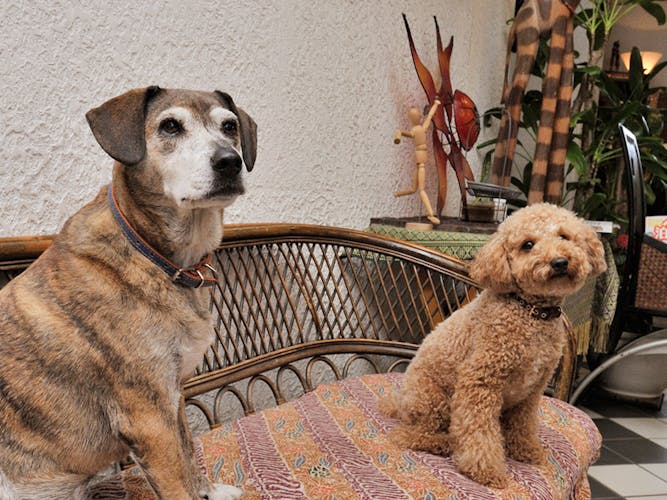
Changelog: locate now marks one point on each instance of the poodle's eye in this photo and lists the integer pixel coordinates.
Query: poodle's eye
(564, 237)
(527, 245)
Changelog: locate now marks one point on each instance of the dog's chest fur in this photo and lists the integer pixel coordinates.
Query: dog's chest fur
(541, 352)
(527, 348)
(133, 332)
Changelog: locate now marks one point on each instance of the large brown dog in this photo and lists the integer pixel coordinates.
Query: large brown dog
(96, 336)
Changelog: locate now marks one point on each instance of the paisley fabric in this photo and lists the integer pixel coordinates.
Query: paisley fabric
(332, 443)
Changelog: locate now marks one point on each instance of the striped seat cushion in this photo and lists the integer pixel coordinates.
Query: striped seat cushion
(332, 443)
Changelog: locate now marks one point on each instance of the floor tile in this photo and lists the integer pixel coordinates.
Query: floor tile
(645, 427)
(599, 491)
(611, 430)
(590, 412)
(610, 457)
(617, 409)
(628, 480)
(659, 470)
(646, 497)
(641, 450)
(661, 442)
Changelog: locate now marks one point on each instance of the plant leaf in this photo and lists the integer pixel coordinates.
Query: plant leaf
(589, 70)
(649, 194)
(656, 69)
(576, 158)
(636, 72)
(653, 9)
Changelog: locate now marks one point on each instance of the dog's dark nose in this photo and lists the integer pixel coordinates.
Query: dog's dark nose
(226, 162)
(559, 265)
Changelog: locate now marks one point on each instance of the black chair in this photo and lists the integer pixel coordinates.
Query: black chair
(643, 288)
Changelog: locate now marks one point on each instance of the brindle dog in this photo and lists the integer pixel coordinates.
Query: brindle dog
(97, 335)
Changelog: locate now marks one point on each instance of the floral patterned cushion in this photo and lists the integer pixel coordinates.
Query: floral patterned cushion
(332, 443)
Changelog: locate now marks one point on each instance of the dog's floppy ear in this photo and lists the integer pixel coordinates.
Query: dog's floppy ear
(248, 130)
(491, 268)
(118, 125)
(594, 249)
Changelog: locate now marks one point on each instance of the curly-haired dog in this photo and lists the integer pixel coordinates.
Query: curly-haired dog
(473, 388)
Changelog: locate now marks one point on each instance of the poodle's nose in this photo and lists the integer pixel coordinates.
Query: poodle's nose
(559, 265)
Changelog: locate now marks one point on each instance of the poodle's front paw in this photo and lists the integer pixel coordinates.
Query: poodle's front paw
(498, 481)
(416, 438)
(221, 492)
(530, 454)
(492, 475)
(390, 405)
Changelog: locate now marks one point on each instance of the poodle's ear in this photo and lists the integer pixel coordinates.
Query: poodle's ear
(594, 249)
(491, 268)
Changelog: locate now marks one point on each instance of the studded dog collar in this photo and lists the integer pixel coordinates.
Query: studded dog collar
(545, 313)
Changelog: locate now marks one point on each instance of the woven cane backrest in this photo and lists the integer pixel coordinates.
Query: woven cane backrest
(292, 290)
(294, 301)
(651, 292)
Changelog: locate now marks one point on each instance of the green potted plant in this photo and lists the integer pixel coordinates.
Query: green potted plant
(598, 193)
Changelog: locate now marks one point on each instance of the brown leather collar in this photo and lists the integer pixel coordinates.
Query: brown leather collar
(193, 277)
(545, 313)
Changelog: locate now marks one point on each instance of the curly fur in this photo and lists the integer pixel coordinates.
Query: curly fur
(473, 388)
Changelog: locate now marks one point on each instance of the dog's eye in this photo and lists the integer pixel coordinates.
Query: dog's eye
(229, 127)
(527, 245)
(564, 237)
(170, 126)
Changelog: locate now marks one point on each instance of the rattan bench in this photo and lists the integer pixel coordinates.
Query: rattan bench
(311, 325)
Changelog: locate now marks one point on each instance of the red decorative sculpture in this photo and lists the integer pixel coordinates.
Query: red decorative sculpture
(456, 106)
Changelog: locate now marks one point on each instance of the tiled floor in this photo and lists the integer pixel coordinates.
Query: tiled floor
(633, 460)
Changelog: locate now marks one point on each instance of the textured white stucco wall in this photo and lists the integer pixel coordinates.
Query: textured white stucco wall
(328, 83)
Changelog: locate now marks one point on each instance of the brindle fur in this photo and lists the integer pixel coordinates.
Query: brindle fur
(95, 339)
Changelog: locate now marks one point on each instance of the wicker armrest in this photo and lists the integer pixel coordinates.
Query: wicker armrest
(16, 254)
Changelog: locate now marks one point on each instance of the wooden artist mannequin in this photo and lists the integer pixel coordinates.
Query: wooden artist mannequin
(418, 135)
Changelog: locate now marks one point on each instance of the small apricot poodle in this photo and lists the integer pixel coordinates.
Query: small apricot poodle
(474, 386)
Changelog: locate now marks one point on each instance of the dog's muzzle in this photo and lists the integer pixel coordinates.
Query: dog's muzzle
(226, 162)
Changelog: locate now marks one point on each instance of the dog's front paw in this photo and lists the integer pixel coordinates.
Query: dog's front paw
(221, 492)
(493, 475)
(534, 455)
